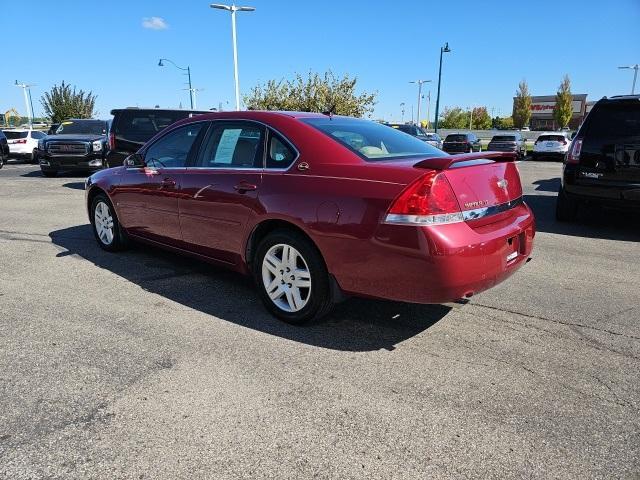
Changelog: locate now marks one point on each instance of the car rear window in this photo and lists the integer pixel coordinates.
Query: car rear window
(504, 138)
(456, 138)
(552, 138)
(615, 119)
(371, 140)
(15, 135)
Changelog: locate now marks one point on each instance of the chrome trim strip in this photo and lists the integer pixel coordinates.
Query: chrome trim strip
(493, 210)
(449, 218)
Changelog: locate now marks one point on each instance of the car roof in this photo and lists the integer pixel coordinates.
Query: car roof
(17, 129)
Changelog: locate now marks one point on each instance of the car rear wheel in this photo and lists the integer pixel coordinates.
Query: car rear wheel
(1, 160)
(566, 207)
(33, 158)
(292, 277)
(106, 227)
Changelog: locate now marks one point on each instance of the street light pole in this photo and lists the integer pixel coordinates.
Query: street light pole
(402, 107)
(635, 75)
(444, 49)
(233, 9)
(26, 90)
(188, 70)
(419, 82)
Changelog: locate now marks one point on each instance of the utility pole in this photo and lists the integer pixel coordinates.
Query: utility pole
(419, 82)
(26, 90)
(635, 75)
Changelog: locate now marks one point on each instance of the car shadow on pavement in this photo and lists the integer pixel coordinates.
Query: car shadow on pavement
(74, 185)
(548, 185)
(38, 173)
(592, 221)
(354, 325)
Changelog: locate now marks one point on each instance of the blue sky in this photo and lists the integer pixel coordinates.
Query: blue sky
(104, 47)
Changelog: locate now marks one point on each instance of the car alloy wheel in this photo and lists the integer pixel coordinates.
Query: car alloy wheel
(103, 223)
(286, 278)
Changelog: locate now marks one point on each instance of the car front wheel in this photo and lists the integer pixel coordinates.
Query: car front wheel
(106, 227)
(292, 278)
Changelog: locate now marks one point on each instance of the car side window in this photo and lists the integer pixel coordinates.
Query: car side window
(233, 145)
(280, 154)
(172, 150)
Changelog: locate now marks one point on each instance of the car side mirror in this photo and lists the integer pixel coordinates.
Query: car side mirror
(134, 160)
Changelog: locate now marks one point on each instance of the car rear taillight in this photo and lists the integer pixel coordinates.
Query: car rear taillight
(112, 141)
(430, 200)
(23, 140)
(574, 155)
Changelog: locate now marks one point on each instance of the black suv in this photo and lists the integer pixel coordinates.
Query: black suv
(133, 127)
(602, 165)
(461, 143)
(79, 144)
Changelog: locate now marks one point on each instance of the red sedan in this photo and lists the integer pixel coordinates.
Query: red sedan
(316, 207)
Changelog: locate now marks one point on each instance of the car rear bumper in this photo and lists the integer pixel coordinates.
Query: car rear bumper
(438, 264)
(20, 149)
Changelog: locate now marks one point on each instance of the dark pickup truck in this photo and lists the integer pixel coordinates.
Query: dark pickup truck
(79, 144)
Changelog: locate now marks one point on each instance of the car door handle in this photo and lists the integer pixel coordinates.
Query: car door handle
(245, 187)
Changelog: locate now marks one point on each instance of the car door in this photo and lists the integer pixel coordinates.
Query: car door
(147, 196)
(220, 191)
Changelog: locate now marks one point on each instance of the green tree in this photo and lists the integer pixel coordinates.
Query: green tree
(314, 93)
(480, 119)
(63, 102)
(502, 123)
(453, 117)
(522, 106)
(564, 103)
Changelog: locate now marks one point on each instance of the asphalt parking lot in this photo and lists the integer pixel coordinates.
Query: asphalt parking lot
(149, 365)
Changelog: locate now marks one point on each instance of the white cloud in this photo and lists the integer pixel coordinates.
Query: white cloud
(154, 23)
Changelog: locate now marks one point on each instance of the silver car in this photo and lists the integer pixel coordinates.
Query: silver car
(512, 142)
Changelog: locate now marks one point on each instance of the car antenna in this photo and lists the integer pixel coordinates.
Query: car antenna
(330, 111)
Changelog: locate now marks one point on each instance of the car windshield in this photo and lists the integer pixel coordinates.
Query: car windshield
(504, 138)
(371, 140)
(551, 138)
(92, 127)
(431, 136)
(15, 135)
(456, 138)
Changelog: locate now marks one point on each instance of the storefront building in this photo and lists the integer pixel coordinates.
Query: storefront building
(542, 112)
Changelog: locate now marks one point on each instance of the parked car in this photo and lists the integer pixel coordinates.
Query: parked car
(132, 127)
(319, 206)
(551, 145)
(79, 144)
(4, 149)
(602, 166)
(418, 132)
(23, 143)
(461, 143)
(433, 139)
(512, 142)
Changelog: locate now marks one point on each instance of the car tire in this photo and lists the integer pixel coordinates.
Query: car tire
(33, 158)
(566, 207)
(1, 160)
(283, 258)
(105, 225)
(49, 173)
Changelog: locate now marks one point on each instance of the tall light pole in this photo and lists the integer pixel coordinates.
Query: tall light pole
(444, 49)
(635, 75)
(428, 108)
(233, 9)
(402, 107)
(188, 70)
(26, 90)
(419, 82)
